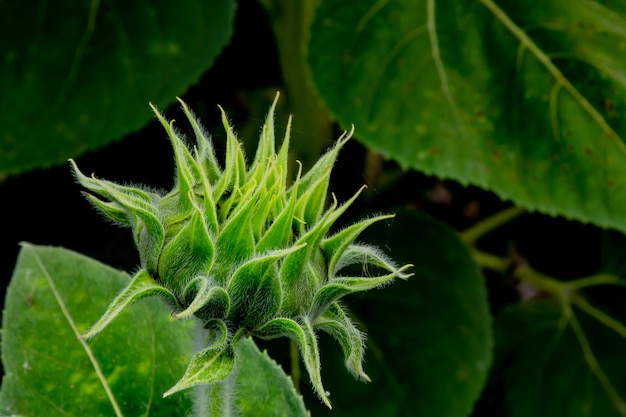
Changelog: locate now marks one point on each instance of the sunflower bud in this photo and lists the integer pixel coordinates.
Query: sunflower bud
(244, 250)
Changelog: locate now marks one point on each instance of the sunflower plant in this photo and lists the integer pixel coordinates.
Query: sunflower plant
(245, 250)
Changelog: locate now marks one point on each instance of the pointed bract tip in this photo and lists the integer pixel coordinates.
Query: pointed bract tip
(402, 275)
(299, 169)
(345, 136)
(327, 402)
(176, 388)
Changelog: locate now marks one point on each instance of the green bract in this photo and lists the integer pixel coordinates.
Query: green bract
(244, 251)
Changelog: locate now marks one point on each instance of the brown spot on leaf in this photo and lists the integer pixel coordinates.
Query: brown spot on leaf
(497, 156)
(588, 151)
(480, 115)
(435, 151)
(570, 148)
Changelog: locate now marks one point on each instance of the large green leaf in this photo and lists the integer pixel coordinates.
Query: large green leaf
(550, 366)
(263, 388)
(54, 296)
(77, 75)
(429, 338)
(522, 98)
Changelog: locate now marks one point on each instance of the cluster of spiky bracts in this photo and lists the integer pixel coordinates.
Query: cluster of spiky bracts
(244, 250)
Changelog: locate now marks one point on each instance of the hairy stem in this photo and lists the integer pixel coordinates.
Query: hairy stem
(217, 399)
(294, 355)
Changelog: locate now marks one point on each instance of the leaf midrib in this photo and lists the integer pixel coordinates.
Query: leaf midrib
(68, 317)
(545, 60)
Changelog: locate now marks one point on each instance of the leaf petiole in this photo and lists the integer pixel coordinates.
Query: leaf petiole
(483, 227)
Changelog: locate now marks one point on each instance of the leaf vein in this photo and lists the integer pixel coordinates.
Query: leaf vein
(441, 71)
(545, 60)
(85, 346)
(594, 365)
(94, 8)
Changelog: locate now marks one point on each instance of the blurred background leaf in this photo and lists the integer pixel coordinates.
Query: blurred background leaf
(78, 75)
(547, 369)
(429, 338)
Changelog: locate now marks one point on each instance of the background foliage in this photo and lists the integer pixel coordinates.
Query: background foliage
(462, 110)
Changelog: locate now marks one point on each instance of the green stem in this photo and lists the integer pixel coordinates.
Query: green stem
(600, 279)
(492, 262)
(483, 227)
(541, 281)
(524, 273)
(217, 399)
(565, 292)
(294, 354)
(290, 22)
(599, 315)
